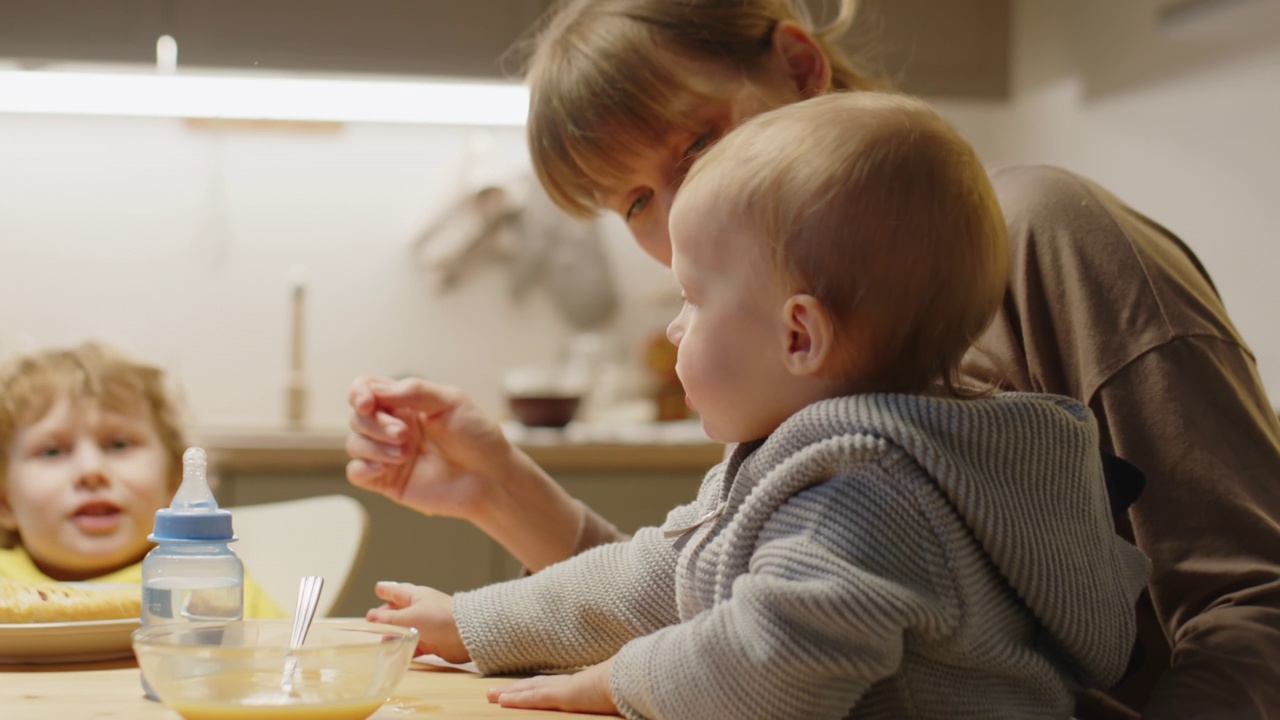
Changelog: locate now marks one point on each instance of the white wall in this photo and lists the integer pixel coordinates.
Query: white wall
(1182, 123)
(175, 243)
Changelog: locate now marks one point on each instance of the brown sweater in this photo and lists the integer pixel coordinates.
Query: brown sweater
(1110, 308)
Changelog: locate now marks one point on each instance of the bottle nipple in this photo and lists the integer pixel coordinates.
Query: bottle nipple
(194, 493)
(193, 514)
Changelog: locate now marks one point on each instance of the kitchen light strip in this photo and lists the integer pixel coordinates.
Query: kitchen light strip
(263, 98)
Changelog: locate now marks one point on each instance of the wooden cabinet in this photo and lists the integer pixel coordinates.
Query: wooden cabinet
(938, 48)
(630, 484)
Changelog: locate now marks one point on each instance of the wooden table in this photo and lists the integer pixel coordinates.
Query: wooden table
(111, 690)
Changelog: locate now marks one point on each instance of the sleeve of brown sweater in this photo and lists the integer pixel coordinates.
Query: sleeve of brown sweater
(1209, 524)
(1110, 308)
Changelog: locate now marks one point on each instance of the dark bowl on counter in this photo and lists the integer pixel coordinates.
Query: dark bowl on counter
(544, 410)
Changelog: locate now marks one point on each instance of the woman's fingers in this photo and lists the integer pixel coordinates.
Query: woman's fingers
(365, 474)
(367, 395)
(375, 448)
(381, 426)
(361, 397)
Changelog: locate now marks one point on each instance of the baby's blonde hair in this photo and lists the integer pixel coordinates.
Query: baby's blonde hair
(874, 205)
(31, 384)
(608, 77)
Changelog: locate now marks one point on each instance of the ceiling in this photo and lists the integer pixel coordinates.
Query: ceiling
(939, 48)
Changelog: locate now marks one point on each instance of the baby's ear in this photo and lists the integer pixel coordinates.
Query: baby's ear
(810, 335)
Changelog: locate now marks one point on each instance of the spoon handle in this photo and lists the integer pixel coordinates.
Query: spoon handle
(308, 597)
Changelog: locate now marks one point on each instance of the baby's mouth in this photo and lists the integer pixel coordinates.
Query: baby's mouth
(97, 517)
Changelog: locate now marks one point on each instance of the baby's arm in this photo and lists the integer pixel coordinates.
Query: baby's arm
(580, 611)
(818, 618)
(574, 613)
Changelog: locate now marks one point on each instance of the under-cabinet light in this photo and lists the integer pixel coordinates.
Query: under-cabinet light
(263, 98)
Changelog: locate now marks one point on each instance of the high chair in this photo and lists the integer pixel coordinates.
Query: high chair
(280, 542)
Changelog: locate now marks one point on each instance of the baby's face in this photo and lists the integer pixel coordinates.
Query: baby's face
(732, 333)
(83, 486)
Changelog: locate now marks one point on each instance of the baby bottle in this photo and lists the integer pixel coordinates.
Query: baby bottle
(192, 574)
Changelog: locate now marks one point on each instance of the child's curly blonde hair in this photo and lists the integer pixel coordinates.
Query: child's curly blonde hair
(31, 384)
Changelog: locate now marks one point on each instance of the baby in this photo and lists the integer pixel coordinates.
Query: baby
(90, 447)
(882, 542)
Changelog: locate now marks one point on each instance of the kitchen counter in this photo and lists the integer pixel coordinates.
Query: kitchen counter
(632, 474)
(581, 447)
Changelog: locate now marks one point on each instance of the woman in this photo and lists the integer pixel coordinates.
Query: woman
(1104, 305)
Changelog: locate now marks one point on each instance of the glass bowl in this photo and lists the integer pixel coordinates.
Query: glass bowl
(346, 669)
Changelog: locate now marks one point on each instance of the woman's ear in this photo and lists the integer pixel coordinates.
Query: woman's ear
(810, 335)
(799, 55)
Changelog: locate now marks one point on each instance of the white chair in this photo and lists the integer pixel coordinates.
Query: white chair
(282, 541)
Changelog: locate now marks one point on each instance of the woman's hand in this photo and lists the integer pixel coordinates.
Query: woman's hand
(424, 446)
(583, 692)
(429, 447)
(428, 610)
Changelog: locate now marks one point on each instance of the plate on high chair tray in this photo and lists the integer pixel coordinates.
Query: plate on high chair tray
(68, 642)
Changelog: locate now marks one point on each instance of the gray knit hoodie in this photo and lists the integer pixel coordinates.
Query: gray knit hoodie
(878, 556)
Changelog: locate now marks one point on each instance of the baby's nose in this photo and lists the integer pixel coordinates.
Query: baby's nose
(675, 331)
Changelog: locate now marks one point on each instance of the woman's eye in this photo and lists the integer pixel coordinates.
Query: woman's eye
(638, 204)
(702, 143)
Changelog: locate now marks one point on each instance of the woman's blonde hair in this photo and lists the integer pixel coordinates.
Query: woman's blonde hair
(874, 205)
(608, 78)
(30, 385)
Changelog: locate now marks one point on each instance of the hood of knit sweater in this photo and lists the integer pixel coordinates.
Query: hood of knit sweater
(1024, 472)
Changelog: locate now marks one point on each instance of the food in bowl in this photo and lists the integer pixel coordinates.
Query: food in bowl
(235, 670)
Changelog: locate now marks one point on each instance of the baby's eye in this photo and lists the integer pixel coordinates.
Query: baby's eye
(639, 204)
(51, 451)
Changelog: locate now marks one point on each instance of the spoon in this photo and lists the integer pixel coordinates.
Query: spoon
(308, 597)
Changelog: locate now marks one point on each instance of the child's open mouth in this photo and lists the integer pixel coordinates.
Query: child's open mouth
(97, 517)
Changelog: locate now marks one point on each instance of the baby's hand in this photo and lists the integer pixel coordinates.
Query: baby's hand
(582, 692)
(428, 610)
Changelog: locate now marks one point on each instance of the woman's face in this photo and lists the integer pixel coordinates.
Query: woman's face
(644, 198)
